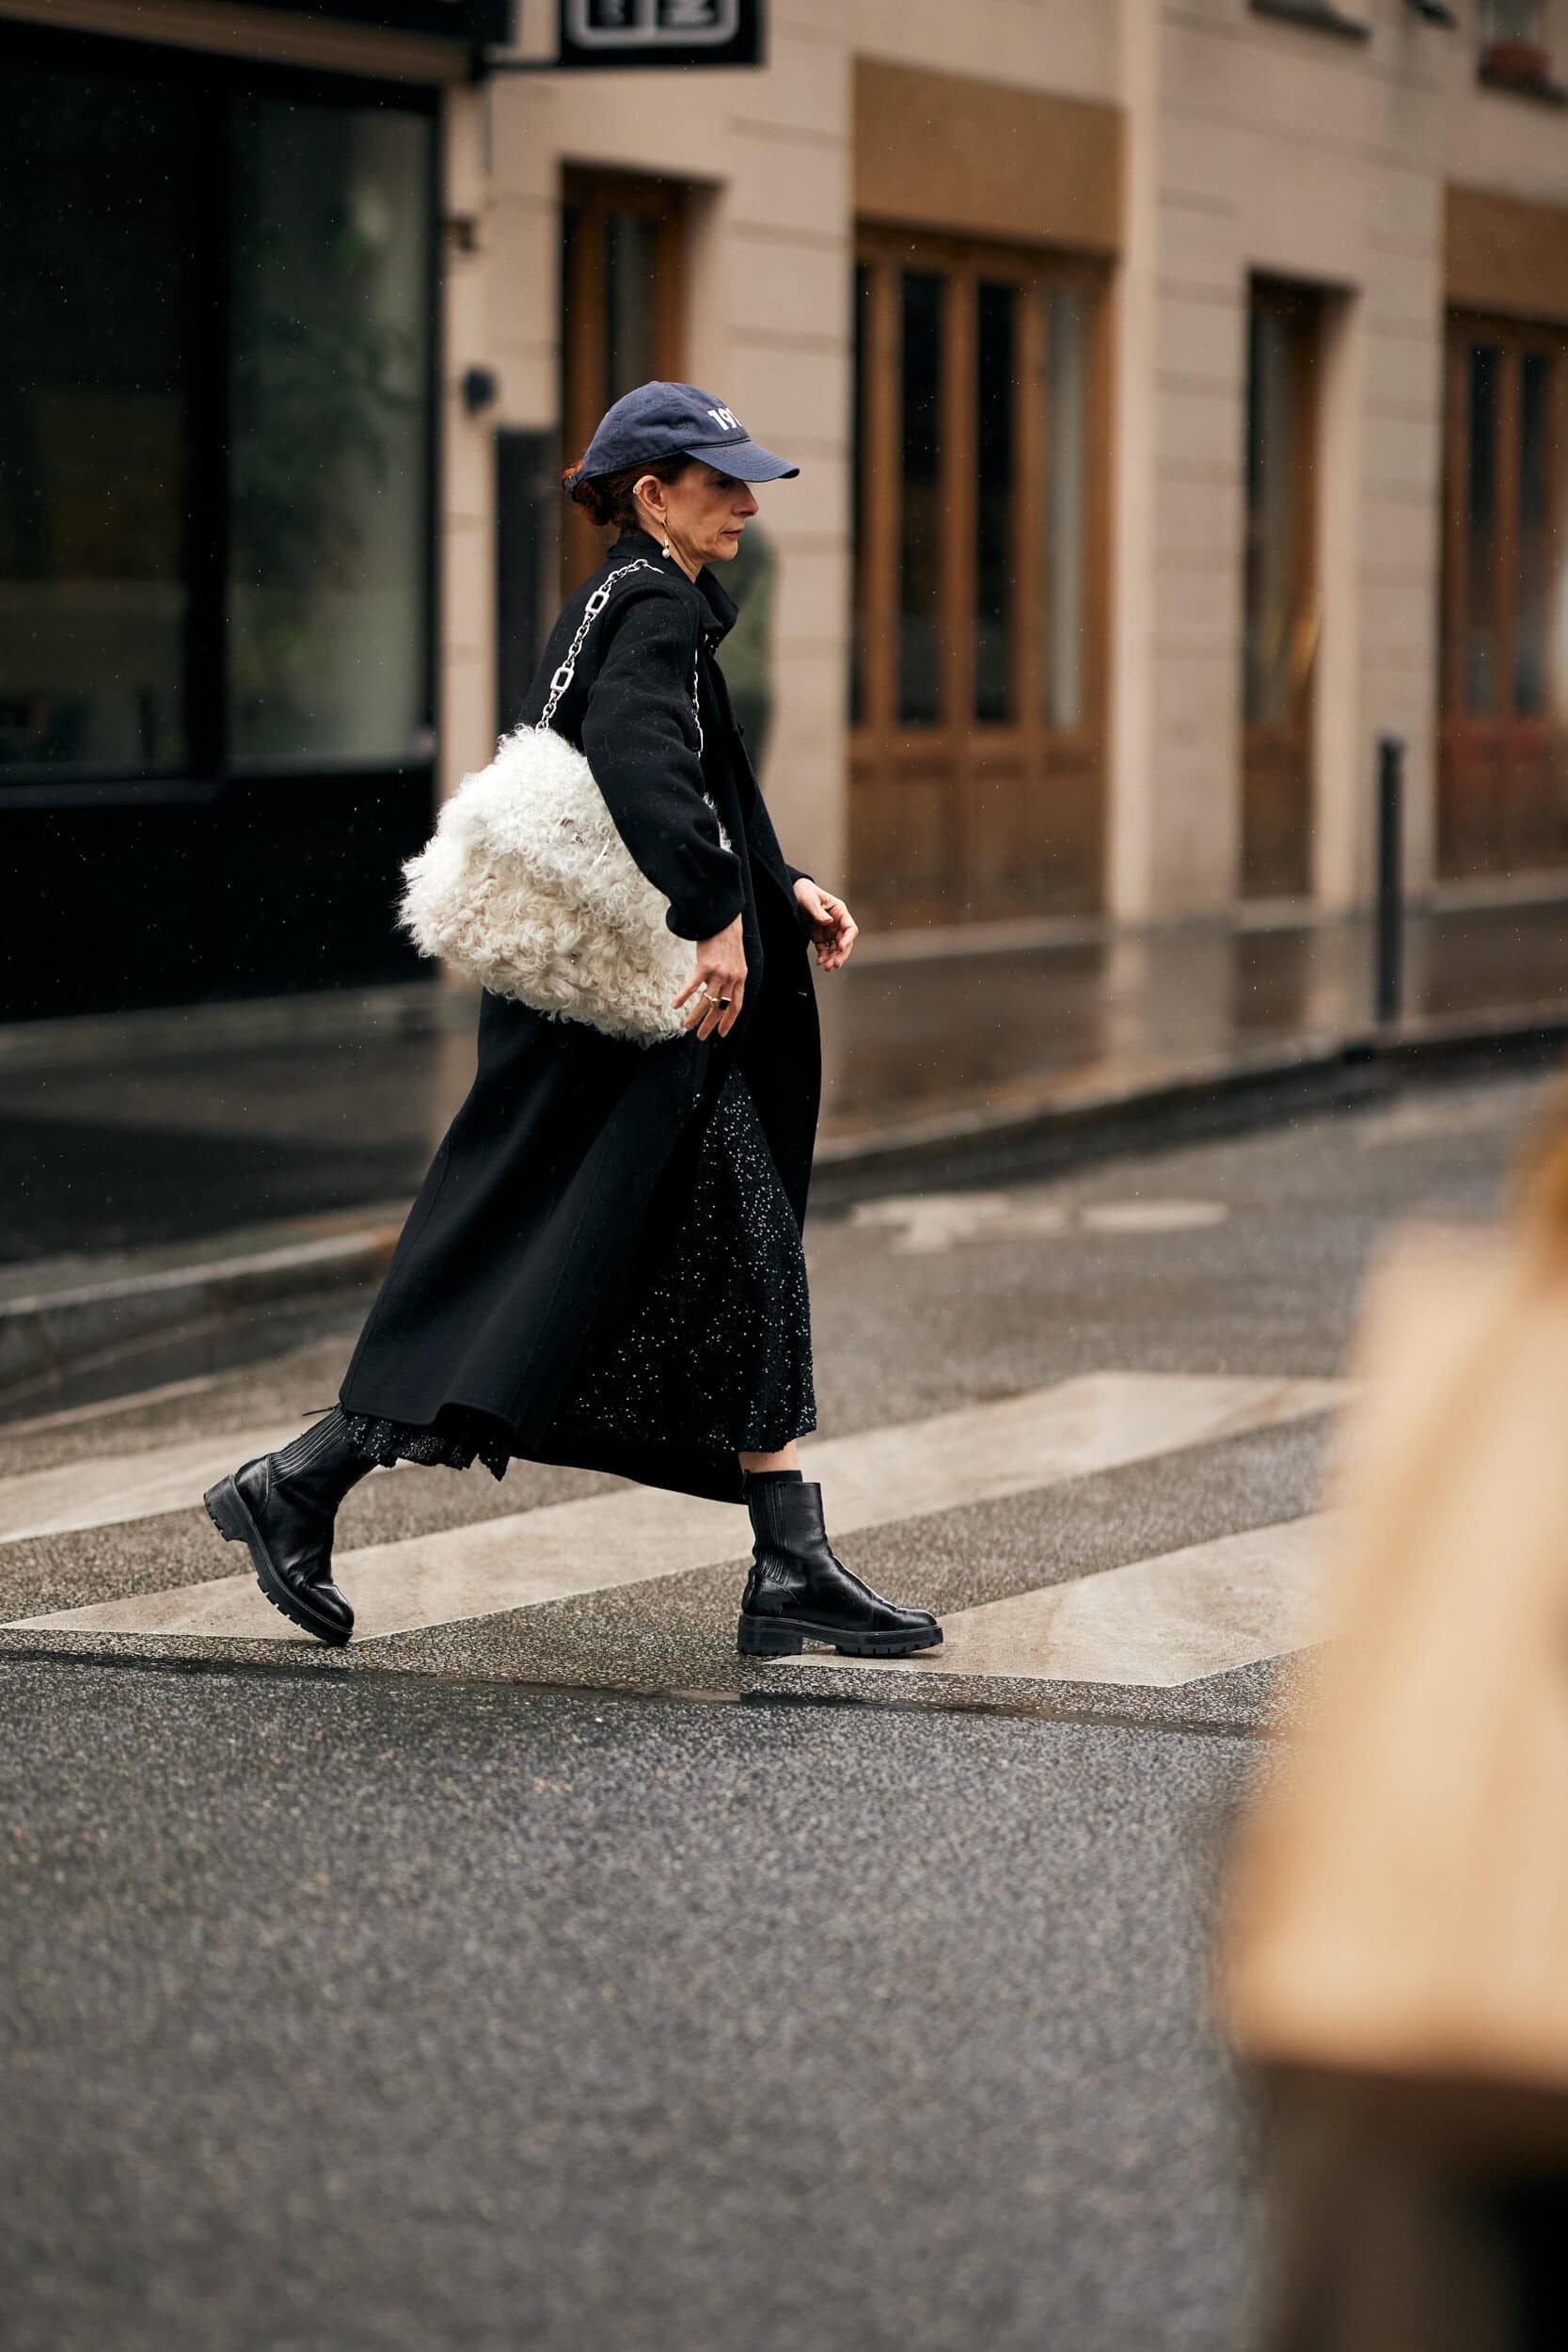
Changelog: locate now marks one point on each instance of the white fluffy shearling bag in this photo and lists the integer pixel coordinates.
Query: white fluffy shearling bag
(527, 887)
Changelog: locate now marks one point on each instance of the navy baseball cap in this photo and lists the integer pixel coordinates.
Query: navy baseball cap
(659, 421)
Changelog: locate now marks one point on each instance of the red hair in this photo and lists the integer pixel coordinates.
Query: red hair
(607, 496)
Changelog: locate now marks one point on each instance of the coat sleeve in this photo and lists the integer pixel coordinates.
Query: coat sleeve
(639, 738)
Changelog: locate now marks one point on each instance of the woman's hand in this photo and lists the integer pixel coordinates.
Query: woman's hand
(722, 971)
(834, 928)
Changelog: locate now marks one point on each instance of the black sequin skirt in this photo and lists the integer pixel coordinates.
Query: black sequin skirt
(715, 1348)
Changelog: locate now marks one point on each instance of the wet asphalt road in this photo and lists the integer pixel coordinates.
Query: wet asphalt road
(394, 2016)
(433, 2007)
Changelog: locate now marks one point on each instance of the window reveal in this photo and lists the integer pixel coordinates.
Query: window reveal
(1503, 735)
(976, 666)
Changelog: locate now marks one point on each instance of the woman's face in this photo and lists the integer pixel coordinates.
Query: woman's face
(705, 510)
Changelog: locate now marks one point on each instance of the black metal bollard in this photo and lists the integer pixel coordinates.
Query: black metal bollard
(1391, 879)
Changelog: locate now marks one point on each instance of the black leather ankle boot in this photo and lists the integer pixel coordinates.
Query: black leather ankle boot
(281, 1506)
(799, 1592)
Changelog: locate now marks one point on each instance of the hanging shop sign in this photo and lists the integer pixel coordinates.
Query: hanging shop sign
(622, 33)
(471, 21)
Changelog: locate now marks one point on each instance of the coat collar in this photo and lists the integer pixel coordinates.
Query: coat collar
(719, 612)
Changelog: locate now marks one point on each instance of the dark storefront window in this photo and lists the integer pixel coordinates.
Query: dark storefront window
(95, 422)
(330, 368)
(216, 518)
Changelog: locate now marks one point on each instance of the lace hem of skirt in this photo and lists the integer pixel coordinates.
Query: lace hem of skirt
(462, 1440)
(456, 1440)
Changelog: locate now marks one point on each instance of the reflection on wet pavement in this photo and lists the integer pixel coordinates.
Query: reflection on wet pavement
(907, 1039)
(173, 1130)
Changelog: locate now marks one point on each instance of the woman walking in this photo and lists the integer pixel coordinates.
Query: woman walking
(603, 1265)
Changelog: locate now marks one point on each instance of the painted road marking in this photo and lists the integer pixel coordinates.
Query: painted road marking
(120, 1487)
(1152, 1216)
(975, 1454)
(1153, 1624)
(925, 1223)
(1468, 1111)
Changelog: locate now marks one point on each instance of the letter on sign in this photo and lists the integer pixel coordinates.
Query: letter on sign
(674, 24)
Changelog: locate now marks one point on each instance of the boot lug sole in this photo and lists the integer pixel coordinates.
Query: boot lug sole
(227, 1509)
(774, 1637)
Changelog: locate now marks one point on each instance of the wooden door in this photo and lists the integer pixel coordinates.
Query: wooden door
(1280, 592)
(976, 691)
(621, 277)
(1504, 730)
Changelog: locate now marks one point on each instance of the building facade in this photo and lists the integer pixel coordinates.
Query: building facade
(1180, 389)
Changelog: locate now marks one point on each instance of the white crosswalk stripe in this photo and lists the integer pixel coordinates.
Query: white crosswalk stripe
(923, 1223)
(977, 1454)
(122, 1487)
(1151, 1625)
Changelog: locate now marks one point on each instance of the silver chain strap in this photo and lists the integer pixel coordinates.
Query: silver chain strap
(567, 671)
(590, 612)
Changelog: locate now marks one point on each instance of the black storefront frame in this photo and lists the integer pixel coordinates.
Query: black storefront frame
(208, 772)
(210, 846)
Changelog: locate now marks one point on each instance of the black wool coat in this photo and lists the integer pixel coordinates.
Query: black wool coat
(563, 1175)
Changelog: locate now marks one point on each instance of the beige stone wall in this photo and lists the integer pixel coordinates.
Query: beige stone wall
(768, 306)
(1250, 145)
(766, 323)
(1260, 144)
(1264, 146)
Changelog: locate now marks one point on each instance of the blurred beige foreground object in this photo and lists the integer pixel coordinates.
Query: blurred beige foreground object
(1397, 1947)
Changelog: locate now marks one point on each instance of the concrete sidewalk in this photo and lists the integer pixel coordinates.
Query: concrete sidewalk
(164, 1169)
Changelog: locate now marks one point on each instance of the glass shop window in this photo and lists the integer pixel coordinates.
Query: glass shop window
(215, 424)
(1506, 572)
(975, 681)
(98, 402)
(1503, 749)
(972, 464)
(329, 359)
